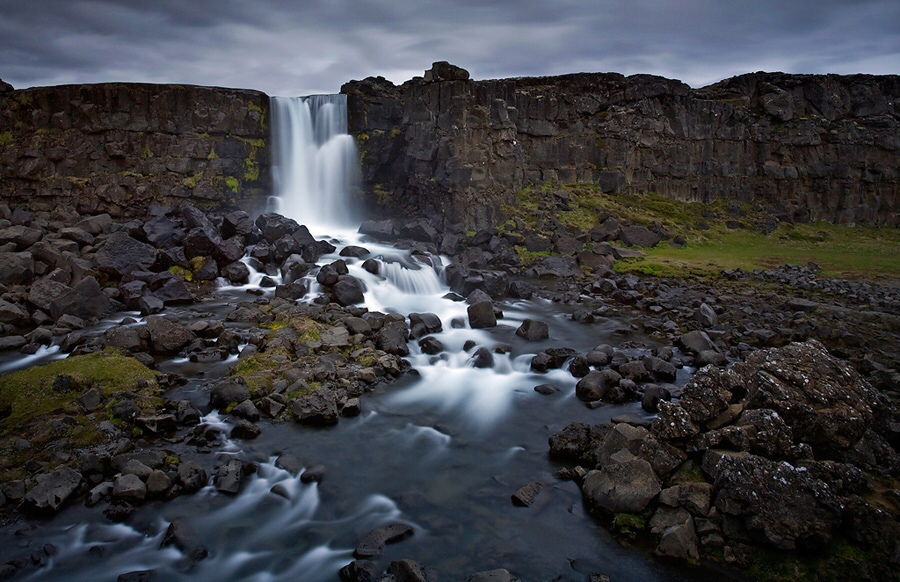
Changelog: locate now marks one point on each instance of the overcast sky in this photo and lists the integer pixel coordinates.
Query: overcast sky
(313, 46)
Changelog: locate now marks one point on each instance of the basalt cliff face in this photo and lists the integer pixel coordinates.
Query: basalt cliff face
(811, 147)
(119, 147)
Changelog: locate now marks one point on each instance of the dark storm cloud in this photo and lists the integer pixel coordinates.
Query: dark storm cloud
(314, 46)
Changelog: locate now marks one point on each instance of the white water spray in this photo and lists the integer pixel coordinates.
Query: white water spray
(315, 160)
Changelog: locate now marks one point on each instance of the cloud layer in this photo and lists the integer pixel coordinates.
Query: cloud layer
(313, 46)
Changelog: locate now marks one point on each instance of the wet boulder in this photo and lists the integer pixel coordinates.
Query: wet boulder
(422, 324)
(482, 358)
(274, 226)
(229, 477)
(570, 442)
(229, 391)
(236, 272)
(481, 315)
(392, 338)
(348, 291)
(533, 330)
(316, 408)
(431, 345)
(166, 336)
(374, 542)
(53, 490)
(192, 476)
(597, 385)
(378, 229)
(621, 487)
(354, 251)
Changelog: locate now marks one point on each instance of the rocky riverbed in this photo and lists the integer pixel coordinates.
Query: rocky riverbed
(190, 335)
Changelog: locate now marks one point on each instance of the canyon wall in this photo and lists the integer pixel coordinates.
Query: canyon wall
(119, 147)
(811, 147)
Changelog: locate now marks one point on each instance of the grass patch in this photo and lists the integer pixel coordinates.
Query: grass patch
(689, 472)
(28, 394)
(841, 251)
(6, 138)
(831, 564)
(528, 257)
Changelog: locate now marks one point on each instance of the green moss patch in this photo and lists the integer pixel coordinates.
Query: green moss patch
(28, 394)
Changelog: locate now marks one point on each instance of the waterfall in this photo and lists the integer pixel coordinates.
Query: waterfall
(315, 164)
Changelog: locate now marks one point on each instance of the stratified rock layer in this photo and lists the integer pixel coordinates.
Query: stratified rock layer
(117, 147)
(815, 147)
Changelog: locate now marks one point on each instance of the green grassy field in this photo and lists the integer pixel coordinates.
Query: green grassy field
(845, 251)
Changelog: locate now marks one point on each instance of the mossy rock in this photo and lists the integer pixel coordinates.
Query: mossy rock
(29, 394)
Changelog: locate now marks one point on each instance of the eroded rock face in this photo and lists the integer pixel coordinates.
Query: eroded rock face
(482, 142)
(120, 147)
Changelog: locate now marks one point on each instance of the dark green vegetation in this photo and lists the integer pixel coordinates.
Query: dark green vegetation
(29, 394)
(719, 236)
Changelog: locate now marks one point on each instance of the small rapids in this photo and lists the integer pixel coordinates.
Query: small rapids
(441, 449)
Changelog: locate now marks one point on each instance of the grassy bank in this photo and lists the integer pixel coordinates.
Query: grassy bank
(722, 235)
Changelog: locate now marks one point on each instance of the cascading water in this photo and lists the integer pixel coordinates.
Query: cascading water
(315, 161)
(441, 451)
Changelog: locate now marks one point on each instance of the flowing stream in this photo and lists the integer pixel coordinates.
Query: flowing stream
(442, 449)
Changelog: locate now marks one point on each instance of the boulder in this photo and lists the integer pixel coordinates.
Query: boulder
(53, 490)
(392, 338)
(130, 488)
(526, 494)
(374, 542)
(120, 254)
(229, 477)
(696, 342)
(85, 300)
(274, 226)
(533, 330)
(192, 476)
(317, 408)
(228, 391)
(597, 384)
(481, 315)
(44, 292)
(625, 487)
(639, 236)
(422, 324)
(348, 291)
(14, 315)
(166, 336)
(16, 268)
(779, 505)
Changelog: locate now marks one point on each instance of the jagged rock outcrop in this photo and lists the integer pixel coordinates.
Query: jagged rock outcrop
(814, 147)
(117, 147)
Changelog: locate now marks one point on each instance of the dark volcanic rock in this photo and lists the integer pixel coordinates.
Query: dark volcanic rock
(166, 336)
(621, 487)
(53, 490)
(533, 330)
(481, 315)
(374, 542)
(317, 408)
(84, 300)
(120, 254)
(779, 505)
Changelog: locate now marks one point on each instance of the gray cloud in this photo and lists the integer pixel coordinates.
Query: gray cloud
(314, 46)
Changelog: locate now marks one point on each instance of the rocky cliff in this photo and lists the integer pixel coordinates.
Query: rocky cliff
(812, 147)
(118, 147)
